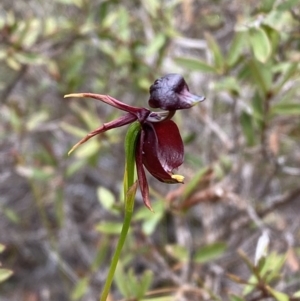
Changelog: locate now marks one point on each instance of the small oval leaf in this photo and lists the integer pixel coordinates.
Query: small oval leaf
(5, 274)
(260, 44)
(194, 64)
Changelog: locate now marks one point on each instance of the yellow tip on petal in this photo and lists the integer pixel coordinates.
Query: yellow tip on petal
(178, 178)
(73, 148)
(150, 208)
(70, 151)
(74, 95)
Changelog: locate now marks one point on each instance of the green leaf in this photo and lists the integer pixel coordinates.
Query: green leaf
(86, 115)
(194, 65)
(178, 252)
(228, 84)
(285, 108)
(210, 252)
(278, 295)
(144, 284)
(123, 24)
(109, 227)
(260, 44)
(42, 174)
(88, 150)
(296, 294)
(80, 289)
(30, 58)
(156, 44)
(150, 220)
(122, 282)
(290, 94)
(29, 33)
(247, 126)
(2, 248)
(235, 298)
(287, 70)
(143, 213)
(274, 37)
(3, 53)
(273, 265)
(149, 225)
(216, 51)
(218, 171)
(267, 5)
(287, 5)
(194, 182)
(36, 120)
(132, 283)
(102, 253)
(71, 129)
(13, 63)
(50, 25)
(74, 167)
(249, 288)
(258, 107)
(5, 274)
(105, 197)
(236, 48)
(261, 75)
(152, 7)
(11, 215)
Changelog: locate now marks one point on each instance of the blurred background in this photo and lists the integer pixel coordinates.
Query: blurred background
(60, 216)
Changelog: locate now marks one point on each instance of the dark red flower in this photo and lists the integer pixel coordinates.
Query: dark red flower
(159, 147)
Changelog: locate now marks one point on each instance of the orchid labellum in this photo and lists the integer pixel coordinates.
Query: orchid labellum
(159, 147)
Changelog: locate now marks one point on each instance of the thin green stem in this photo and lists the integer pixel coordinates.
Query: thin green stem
(130, 186)
(115, 259)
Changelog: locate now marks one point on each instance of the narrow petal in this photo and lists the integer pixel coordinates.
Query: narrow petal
(163, 150)
(141, 172)
(123, 120)
(113, 102)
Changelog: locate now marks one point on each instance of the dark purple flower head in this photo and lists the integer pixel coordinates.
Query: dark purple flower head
(159, 147)
(171, 92)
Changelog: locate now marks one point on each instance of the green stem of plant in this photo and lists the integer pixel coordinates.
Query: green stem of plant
(129, 194)
(115, 259)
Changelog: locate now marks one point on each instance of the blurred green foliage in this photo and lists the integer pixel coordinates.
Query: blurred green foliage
(4, 273)
(61, 215)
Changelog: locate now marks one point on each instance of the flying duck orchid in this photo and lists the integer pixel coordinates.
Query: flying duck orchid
(159, 147)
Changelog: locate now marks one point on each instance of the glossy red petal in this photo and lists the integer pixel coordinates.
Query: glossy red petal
(163, 149)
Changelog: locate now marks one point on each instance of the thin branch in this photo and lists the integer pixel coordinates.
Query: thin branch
(10, 87)
(276, 204)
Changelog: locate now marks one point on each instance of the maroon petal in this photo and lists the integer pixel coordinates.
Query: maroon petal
(141, 113)
(163, 150)
(123, 120)
(171, 92)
